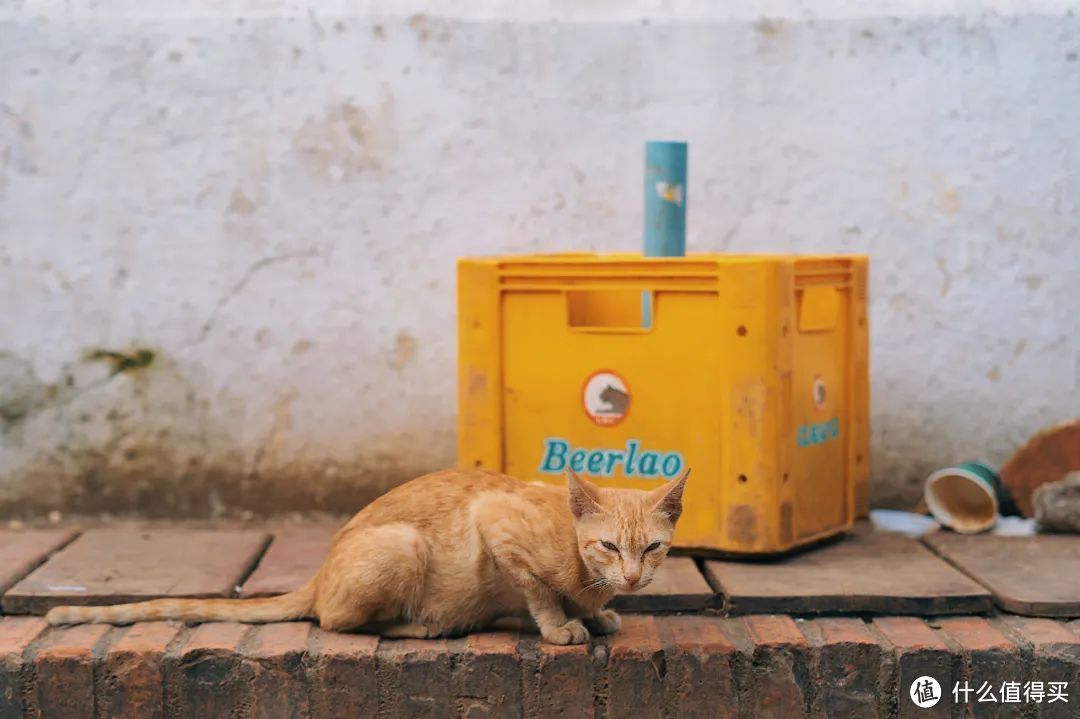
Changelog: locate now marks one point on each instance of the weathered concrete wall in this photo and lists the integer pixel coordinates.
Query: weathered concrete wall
(270, 199)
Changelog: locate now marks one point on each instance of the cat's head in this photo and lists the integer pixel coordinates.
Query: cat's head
(624, 534)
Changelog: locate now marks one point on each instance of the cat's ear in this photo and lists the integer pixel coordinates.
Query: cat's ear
(667, 499)
(584, 496)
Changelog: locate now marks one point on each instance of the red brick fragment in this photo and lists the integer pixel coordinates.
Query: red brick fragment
(563, 681)
(846, 667)
(991, 658)
(275, 656)
(1041, 633)
(635, 668)
(414, 678)
(776, 686)
(487, 676)
(16, 635)
(64, 671)
(976, 634)
(208, 677)
(1056, 654)
(909, 633)
(133, 674)
(342, 675)
(773, 630)
(700, 671)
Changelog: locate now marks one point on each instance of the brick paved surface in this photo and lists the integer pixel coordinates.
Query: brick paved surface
(677, 666)
(666, 665)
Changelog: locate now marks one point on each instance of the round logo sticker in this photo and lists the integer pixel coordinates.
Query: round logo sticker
(606, 398)
(925, 692)
(819, 392)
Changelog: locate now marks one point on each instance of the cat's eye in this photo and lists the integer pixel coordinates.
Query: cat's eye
(610, 547)
(652, 547)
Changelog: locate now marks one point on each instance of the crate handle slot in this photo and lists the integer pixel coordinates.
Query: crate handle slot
(607, 310)
(818, 308)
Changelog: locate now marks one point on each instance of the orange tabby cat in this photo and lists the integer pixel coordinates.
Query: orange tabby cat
(456, 550)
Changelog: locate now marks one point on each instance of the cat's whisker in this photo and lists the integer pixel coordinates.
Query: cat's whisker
(597, 583)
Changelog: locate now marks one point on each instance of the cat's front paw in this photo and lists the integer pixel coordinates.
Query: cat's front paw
(605, 621)
(573, 632)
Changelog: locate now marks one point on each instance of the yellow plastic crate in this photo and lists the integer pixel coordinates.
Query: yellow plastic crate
(753, 372)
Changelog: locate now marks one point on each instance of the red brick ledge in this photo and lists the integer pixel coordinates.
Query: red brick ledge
(671, 666)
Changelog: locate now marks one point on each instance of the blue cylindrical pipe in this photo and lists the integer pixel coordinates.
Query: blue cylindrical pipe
(665, 199)
(665, 206)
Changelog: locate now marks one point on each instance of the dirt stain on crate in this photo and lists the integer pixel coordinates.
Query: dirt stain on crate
(742, 524)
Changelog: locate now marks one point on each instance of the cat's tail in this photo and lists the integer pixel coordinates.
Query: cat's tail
(284, 607)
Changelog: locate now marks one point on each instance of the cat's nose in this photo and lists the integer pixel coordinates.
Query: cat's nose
(631, 579)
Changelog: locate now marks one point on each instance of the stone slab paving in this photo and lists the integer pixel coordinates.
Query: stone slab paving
(22, 551)
(1037, 576)
(292, 558)
(678, 585)
(867, 572)
(109, 566)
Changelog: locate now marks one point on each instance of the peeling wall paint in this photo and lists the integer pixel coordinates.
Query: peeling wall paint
(271, 198)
